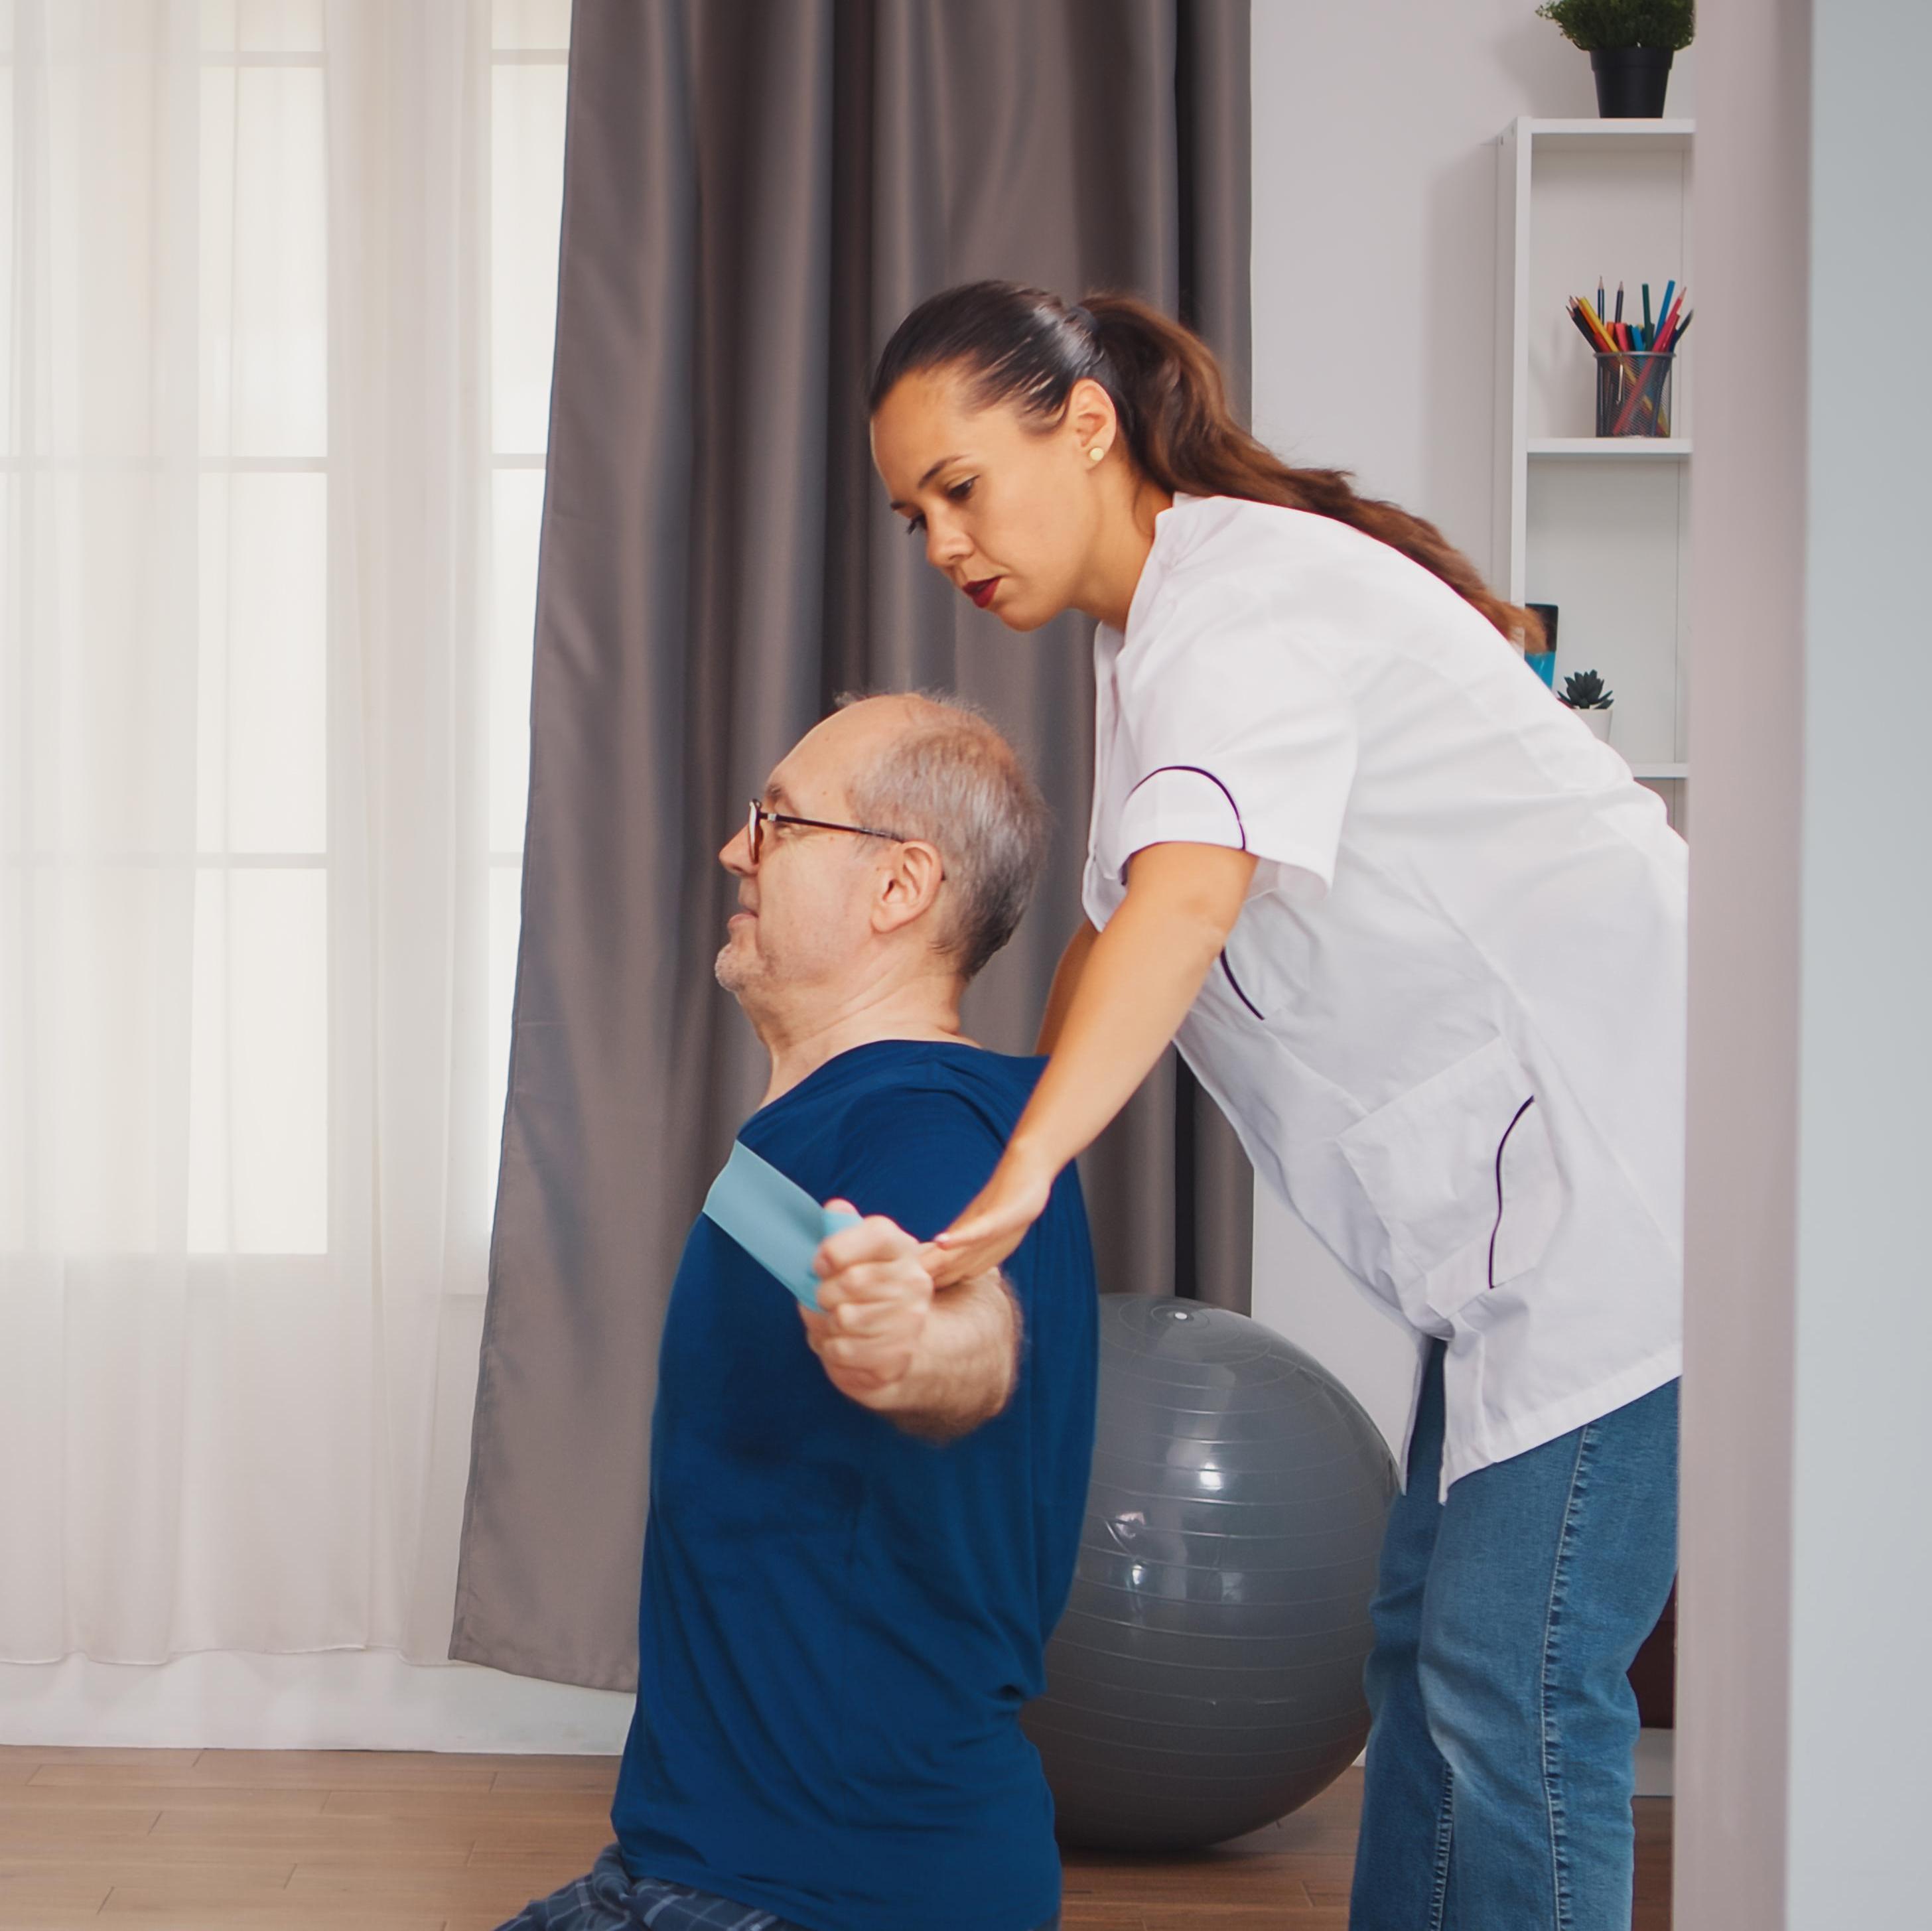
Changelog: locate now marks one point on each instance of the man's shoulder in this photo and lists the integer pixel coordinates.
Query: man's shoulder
(911, 1129)
(900, 1079)
(932, 1098)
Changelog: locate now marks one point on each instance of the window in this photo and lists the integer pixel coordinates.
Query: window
(254, 320)
(531, 42)
(258, 1132)
(276, 290)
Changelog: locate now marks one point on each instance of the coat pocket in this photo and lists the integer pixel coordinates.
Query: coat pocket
(1462, 1173)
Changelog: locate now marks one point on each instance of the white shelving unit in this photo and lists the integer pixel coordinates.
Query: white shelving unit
(1600, 526)
(1643, 448)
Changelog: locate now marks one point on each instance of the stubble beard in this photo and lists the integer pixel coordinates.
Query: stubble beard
(738, 969)
(728, 970)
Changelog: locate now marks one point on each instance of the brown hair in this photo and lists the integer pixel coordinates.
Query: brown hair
(1024, 346)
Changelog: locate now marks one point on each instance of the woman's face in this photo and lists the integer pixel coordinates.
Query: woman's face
(1005, 505)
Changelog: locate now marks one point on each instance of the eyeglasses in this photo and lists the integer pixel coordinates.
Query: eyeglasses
(755, 824)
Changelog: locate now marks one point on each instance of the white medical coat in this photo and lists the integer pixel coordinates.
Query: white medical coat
(1449, 1023)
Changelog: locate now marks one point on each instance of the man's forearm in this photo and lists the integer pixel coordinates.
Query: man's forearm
(967, 1363)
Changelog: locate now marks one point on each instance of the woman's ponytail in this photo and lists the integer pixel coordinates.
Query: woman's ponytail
(1023, 346)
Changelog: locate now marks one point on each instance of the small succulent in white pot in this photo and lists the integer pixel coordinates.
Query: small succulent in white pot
(1583, 691)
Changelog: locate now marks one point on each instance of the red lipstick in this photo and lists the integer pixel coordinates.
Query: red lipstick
(982, 592)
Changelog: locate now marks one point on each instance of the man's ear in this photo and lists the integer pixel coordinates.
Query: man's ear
(909, 886)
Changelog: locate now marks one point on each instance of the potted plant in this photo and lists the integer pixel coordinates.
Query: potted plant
(1583, 691)
(1630, 44)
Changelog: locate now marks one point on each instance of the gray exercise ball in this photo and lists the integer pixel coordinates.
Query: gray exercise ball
(1207, 1676)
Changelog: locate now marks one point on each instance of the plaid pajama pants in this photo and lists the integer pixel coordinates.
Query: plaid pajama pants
(610, 1900)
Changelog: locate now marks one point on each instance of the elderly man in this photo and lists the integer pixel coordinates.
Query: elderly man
(864, 1516)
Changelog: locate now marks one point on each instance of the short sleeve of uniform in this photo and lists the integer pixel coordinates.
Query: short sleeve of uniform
(1244, 732)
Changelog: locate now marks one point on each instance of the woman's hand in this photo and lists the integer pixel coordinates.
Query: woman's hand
(995, 1222)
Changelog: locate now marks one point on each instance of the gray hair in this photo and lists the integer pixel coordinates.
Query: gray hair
(953, 780)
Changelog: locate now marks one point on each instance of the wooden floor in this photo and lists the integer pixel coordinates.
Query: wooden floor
(229, 1840)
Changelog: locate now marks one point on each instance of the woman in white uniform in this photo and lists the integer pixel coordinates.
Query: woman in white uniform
(1422, 936)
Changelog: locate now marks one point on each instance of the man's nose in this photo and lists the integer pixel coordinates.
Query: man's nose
(735, 857)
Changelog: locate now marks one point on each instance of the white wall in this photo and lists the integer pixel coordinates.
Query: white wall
(1807, 1562)
(1862, 1556)
(1748, 502)
(1375, 266)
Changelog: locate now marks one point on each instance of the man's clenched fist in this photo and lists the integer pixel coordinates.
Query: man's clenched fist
(874, 1300)
(938, 1361)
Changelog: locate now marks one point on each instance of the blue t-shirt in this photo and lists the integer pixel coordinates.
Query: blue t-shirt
(840, 1621)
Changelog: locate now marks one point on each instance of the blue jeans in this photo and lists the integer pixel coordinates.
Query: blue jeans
(1499, 1777)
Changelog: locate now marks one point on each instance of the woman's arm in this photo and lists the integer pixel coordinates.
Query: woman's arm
(1133, 986)
(1066, 983)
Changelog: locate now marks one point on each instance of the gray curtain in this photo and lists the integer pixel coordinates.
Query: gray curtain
(756, 191)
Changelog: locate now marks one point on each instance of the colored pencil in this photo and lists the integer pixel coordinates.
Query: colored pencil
(1649, 333)
(1641, 396)
(1609, 337)
(1595, 327)
(1649, 390)
(1649, 394)
(1669, 322)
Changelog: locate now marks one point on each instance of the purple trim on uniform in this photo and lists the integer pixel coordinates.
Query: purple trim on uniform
(1237, 984)
(1495, 1231)
(1201, 771)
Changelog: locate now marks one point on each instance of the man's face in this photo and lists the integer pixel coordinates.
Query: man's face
(805, 914)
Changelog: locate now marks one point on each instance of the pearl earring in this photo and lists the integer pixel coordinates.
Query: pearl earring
(1094, 454)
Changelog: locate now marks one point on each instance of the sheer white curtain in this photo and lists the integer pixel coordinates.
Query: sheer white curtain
(275, 314)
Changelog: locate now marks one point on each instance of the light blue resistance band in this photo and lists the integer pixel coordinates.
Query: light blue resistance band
(773, 1219)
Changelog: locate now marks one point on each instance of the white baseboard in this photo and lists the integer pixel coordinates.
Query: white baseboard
(329, 1699)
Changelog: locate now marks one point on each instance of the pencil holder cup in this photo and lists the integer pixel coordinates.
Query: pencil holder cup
(1634, 393)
